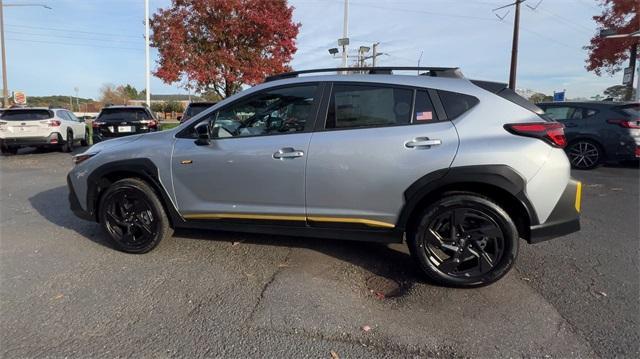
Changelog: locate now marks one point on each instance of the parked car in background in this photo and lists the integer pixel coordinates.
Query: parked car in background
(193, 109)
(598, 132)
(118, 121)
(461, 169)
(41, 127)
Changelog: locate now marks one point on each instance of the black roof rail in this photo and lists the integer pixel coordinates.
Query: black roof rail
(453, 72)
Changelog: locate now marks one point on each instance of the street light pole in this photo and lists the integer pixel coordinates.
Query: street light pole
(345, 35)
(146, 53)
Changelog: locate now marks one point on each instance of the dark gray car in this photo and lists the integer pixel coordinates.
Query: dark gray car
(598, 132)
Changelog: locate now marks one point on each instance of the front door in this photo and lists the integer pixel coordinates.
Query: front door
(254, 165)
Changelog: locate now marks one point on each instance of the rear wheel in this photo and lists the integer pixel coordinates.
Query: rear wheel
(133, 217)
(68, 144)
(584, 154)
(9, 150)
(464, 240)
(85, 140)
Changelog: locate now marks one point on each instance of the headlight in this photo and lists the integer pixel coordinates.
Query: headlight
(77, 159)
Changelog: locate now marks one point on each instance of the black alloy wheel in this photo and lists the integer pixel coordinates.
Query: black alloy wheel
(584, 155)
(68, 144)
(465, 240)
(133, 217)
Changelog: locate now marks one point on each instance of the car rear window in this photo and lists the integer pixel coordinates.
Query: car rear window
(196, 108)
(632, 110)
(26, 115)
(455, 104)
(123, 114)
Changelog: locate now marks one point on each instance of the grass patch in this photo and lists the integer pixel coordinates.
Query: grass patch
(169, 125)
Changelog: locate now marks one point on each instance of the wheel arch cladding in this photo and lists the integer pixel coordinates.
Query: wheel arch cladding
(144, 169)
(500, 183)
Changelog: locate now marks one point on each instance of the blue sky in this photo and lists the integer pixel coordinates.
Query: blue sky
(87, 43)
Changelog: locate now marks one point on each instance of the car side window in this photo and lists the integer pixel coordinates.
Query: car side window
(63, 114)
(455, 104)
(277, 111)
(423, 109)
(564, 113)
(356, 106)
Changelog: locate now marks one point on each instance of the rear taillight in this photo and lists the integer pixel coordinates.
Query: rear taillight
(153, 123)
(96, 124)
(53, 123)
(624, 123)
(551, 132)
(637, 151)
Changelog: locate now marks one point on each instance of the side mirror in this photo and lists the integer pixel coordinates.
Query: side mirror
(202, 134)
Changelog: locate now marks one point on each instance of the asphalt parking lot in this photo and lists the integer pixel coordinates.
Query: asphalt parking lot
(65, 292)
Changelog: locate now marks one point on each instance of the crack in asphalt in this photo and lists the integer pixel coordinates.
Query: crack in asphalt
(275, 273)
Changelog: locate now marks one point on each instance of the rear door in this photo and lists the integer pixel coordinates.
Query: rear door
(375, 142)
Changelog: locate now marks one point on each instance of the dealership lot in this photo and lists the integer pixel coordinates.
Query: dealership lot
(65, 292)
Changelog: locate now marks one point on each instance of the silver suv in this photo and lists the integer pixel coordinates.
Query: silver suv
(460, 169)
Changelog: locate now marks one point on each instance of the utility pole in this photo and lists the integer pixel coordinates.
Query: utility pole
(5, 89)
(146, 53)
(375, 53)
(345, 34)
(633, 53)
(514, 45)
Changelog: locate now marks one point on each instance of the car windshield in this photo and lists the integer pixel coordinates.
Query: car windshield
(124, 114)
(196, 108)
(26, 115)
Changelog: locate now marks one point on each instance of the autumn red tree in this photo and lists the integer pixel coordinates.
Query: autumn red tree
(609, 54)
(219, 45)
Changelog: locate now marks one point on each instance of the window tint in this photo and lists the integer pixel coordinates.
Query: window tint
(196, 108)
(271, 112)
(368, 106)
(564, 113)
(26, 115)
(424, 111)
(123, 114)
(455, 104)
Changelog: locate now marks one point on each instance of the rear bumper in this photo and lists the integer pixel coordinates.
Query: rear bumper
(51, 140)
(565, 217)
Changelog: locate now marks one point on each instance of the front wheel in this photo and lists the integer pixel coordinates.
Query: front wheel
(133, 217)
(464, 240)
(68, 144)
(85, 140)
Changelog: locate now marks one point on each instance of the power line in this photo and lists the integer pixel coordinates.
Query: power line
(369, 5)
(75, 44)
(75, 31)
(69, 37)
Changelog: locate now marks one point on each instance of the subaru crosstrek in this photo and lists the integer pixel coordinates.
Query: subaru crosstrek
(460, 169)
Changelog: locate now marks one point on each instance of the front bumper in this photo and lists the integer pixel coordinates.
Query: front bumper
(53, 139)
(565, 217)
(74, 203)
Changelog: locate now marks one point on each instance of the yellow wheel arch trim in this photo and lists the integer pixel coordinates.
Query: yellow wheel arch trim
(271, 217)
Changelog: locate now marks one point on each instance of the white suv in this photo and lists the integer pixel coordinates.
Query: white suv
(41, 127)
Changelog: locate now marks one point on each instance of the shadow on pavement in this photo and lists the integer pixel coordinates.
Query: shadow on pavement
(379, 259)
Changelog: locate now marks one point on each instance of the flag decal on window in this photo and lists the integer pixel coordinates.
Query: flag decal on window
(424, 116)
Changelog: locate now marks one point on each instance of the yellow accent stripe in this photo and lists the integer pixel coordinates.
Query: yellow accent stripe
(368, 222)
(578, 196)
(244, 216)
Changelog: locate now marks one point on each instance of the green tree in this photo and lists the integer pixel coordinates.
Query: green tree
(616, 92)
(540, 97)
(130, 92)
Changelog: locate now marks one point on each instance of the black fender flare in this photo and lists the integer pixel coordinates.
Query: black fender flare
(500, 176)
(144, 168)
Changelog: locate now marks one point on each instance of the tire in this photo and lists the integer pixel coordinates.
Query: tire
(8, 150)
(483, 249)
(584, 154)
(133, 217)
(85, 141)
(68, 144)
